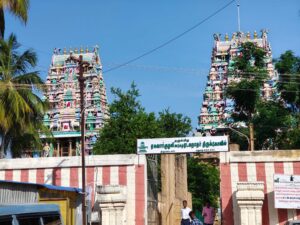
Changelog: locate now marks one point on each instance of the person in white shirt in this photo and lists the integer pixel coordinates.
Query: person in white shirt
(185, 211)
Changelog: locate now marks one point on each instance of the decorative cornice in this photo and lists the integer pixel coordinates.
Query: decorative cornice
(250, 191)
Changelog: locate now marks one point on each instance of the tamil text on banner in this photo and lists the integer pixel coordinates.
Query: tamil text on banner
(182, 145)
(287, 191)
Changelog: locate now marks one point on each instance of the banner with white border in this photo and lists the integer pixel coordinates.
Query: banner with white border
(182, 145)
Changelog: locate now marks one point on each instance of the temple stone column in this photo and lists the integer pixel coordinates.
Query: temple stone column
(70, 148)
(58, 149)
(250, 197)
(111, 200)
(174, 188)
(167, 188)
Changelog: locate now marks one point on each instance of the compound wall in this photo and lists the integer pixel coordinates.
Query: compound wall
(252, 167)
(129, 171)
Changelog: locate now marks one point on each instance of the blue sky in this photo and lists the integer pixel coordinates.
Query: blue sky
(174, 76)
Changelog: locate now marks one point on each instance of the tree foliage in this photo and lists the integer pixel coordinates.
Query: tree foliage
(173, 124)
(21, 109)
(129, 121)
(18, 8)
(288, 66)
(245, 95)
(274, 121)
(204, 183)
(271, 120)
(251, 58)
(249, 68)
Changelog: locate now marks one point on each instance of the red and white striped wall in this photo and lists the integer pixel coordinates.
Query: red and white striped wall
(256, 166)
(126, 170)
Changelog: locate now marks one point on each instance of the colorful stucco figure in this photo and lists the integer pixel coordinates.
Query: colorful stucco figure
(216, 111)
(64, 115)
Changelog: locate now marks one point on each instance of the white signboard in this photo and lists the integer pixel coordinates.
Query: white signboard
(182, 145)
(287, 191)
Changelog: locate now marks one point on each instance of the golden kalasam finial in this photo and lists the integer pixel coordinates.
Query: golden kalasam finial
(65, 50)
(248, 35)
(226, 37)
(87, 50)
(255, 34)
(81, 49)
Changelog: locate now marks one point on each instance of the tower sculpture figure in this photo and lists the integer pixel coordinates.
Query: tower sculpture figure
(216, 108)
(63, 94)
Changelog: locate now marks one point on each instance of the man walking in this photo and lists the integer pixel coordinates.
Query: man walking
(208, 213)
(185, 211)
(194, 219)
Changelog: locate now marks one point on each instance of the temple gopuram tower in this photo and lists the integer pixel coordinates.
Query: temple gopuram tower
(216, 109)
(63, 117)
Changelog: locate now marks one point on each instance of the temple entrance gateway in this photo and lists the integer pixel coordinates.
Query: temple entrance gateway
(174, 186)
(64, 115)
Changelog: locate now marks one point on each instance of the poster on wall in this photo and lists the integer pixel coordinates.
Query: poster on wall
(287, 191)
(182, 145)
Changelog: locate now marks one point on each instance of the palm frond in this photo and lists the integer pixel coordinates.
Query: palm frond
(19, 8)
(21, 109)
(2, 22)
(24, 62)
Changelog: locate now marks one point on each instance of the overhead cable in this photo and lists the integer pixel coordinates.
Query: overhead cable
(170, 40)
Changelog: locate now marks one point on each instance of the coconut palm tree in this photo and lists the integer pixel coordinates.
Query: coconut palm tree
(21, 109)
(18, 8)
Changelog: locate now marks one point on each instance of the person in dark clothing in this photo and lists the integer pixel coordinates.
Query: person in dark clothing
(194, 219)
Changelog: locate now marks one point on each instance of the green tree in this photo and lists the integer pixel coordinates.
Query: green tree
(288, 63)
(173, 124)
(290, 139)
(246, 95)
(129, 121)
(249, 66)
(21, 109)
(18, 8)
(251, 58)
(204, 183)
(288, 66)
(268, 131)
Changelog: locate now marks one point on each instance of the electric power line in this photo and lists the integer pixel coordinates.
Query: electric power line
(170, 40)
(257, 73)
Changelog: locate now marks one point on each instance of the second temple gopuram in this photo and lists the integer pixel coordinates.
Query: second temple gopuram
(63, 117)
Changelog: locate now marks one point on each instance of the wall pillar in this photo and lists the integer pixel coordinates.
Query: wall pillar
(58, 148)
(70, 148)
(167, 188)
(112, 201)
(174, 188)
(250, 197)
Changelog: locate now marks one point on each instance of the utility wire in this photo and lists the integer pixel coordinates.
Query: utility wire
(171, 40)
(59, 84)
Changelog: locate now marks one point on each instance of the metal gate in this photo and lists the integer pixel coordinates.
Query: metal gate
(153, 188)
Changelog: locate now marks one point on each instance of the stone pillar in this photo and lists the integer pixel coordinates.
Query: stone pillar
(181, 186)
(58, 149)
(181, 173)
(111, 200)
(167, 188)
(70, 148)
(250, 197)
(174, 188)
